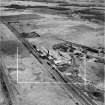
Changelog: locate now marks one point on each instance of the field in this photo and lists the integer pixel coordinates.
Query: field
(54, 22)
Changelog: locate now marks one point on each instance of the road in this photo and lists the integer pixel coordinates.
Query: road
(72, 89)
(6, 84)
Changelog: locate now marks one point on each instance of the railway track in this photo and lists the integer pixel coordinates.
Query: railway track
(77, 93)
(72, 89)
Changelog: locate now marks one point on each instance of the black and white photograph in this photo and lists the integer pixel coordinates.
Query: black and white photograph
(52, 52)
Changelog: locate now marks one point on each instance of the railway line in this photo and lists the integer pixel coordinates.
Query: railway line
(81, 98)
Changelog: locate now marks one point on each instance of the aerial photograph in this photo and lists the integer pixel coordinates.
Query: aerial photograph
(52, 52)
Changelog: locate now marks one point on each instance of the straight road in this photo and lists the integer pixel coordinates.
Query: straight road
(6, 84)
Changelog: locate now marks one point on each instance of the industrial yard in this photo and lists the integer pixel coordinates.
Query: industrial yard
(52, 52)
